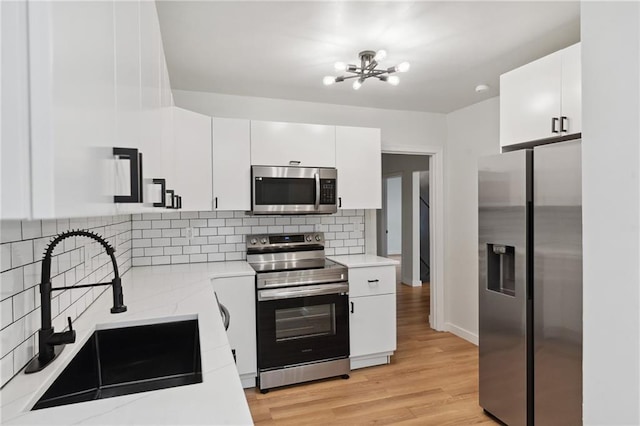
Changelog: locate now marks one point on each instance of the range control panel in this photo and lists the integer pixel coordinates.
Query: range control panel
(285, 240)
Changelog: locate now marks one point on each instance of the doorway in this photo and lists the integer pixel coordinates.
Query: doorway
(373, 237)
(403, 225)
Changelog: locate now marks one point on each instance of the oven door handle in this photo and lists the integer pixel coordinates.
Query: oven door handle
(310, 290)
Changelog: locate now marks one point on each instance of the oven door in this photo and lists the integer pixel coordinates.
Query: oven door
(302, 324)
(293, 190)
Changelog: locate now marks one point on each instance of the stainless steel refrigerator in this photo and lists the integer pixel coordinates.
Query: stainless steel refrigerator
(530, 285)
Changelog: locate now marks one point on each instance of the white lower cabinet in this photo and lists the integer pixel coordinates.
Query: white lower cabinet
(372, 324)
(237, 294)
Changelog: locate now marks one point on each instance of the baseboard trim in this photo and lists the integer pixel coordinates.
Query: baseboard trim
(461, 332)
(412, 283)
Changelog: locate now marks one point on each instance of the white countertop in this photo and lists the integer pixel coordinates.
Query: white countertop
(362, 260)
(152, 294)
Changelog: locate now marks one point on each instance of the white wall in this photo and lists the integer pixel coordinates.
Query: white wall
(398, 128)
(394, 212)
(472, 132)
(611, 212)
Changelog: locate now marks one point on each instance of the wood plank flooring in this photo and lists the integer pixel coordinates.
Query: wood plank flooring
(432, 380)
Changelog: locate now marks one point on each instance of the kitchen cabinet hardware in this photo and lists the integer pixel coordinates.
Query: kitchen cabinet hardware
(215, 203)
(135, 174)
(339, 201)
(554, 125)
(163, 186)
(294, 163)
(352, 308)
(373, 281)
(563, 122)
(171, 194)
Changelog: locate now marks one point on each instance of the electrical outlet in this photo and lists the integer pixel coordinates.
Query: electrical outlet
(189, 233)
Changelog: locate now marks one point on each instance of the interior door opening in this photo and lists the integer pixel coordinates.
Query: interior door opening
(404, 222)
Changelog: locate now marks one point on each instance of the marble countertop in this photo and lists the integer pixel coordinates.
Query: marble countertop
(152, 294)
(362, 260)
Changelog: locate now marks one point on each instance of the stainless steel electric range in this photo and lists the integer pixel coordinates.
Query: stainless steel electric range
(302, 316)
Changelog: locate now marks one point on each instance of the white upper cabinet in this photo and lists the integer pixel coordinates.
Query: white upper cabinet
(150, 117)
(72, 90)
(231, 164)
(359, 164)
(128, 130)
(14, 151)
(541, 99)
(78, 79)
(572, 89)
(292, 144)
(192, 159)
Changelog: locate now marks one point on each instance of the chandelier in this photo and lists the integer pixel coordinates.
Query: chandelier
(367, 69)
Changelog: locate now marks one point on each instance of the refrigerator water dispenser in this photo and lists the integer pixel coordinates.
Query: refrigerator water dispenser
(501, 276)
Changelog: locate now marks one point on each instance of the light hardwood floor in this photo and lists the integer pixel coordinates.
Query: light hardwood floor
(432, 380)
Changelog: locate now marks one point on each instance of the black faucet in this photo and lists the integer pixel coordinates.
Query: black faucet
(51, 344)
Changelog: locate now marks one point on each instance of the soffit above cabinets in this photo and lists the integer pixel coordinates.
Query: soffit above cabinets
(283, 49)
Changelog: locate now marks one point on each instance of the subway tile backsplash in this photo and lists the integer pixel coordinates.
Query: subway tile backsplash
(76, 260)
(190, 237)
(140, 240)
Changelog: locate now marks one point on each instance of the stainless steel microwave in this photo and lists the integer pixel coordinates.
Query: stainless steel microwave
(293, 190)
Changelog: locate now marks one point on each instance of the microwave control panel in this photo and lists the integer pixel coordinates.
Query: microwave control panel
(327, 191)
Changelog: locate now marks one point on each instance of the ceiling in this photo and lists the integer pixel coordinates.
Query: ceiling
(284, 49)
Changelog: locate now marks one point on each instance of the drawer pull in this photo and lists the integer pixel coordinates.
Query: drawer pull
(373, 281)
(352, 310)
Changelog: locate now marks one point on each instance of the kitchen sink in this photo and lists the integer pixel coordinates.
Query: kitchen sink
(122, 361)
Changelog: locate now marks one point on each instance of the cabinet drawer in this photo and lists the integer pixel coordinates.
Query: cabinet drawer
(372, 281)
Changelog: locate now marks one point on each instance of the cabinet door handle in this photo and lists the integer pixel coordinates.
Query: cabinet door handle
(351, 307)
(163, 186)
(554, 125)
(294, 163)
(172, 197)
(215, 203)
(563, 120)
(135, 174)
(373, 281)
(339, 201)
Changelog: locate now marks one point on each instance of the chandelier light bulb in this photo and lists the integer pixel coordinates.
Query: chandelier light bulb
(380, 55)
(328, 80)
(340, 66)
(393, 80)
(357, 84)
(403, 67)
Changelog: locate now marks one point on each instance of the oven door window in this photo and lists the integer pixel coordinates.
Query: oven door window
(305, 322)
(293, 331)
(285, 191)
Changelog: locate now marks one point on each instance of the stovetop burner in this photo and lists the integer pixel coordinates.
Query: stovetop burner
(291, 259)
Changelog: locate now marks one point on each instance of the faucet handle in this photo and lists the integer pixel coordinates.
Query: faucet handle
(69, 321)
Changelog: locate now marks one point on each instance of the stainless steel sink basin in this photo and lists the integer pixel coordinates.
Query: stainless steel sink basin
(128, 360)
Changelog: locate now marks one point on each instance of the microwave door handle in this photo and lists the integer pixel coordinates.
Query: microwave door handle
(317, 177)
